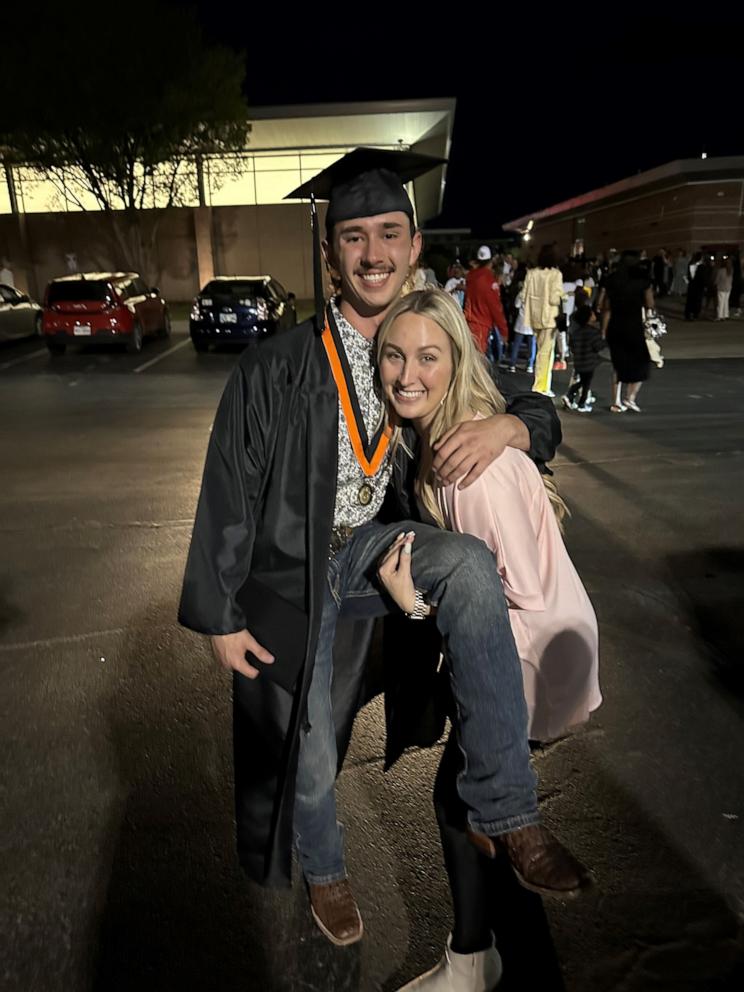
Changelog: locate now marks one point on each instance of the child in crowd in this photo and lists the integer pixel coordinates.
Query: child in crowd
(586, 344)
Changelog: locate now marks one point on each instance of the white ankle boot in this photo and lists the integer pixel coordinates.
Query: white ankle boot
(480, 972)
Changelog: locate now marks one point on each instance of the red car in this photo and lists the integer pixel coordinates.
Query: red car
(102, 307)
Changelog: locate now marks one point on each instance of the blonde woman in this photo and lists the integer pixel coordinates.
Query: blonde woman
(433, 377)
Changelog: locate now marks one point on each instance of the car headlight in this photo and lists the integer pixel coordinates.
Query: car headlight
(262, 309)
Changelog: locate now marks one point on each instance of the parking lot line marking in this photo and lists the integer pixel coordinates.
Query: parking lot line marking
(158, 358)
(23, 358)
(70, 639)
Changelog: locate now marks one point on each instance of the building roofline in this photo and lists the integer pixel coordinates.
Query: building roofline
(348, 109)
(689, 169)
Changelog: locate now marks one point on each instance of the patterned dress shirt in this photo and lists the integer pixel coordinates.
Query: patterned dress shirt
(349, 512)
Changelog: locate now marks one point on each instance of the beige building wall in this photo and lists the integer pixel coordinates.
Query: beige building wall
(191, 244)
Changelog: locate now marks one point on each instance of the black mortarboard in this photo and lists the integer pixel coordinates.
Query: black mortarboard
(364, 183)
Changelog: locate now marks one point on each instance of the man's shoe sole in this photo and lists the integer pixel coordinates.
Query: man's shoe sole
(338, 941)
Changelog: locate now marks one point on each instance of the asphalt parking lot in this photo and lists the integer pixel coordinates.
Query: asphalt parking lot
(118, 871)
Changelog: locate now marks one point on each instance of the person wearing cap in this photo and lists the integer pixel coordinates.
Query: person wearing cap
(483, 308)
(281, 567)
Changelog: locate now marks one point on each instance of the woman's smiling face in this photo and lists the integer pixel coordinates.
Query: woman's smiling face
(416, 367)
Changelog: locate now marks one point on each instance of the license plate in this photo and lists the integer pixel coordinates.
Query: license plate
(81, 330)
(228, 318)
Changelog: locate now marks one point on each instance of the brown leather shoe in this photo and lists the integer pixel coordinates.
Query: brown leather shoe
(335, 911)
(541, 863)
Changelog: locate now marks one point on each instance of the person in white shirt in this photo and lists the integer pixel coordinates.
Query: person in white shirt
(724, 281)
(455, 285)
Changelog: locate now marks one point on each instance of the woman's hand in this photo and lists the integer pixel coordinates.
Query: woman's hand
(394, 571)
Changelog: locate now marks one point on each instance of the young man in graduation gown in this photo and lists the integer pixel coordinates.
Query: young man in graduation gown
(282, 564)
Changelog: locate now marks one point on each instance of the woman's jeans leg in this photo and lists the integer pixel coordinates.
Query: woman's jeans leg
(318, 834)
(459, 574)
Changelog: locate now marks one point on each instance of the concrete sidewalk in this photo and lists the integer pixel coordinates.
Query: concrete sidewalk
(701, 338)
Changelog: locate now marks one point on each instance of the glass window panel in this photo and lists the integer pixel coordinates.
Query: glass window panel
(313, 163)
(4, 193)
(272, 187)
(186, 191)
(78, 197)
(37, 195)
(277, 163)
(229, 182)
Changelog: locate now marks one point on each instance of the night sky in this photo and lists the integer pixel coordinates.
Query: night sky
(548, 106)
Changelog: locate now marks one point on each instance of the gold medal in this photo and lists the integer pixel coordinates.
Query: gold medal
(365, 494)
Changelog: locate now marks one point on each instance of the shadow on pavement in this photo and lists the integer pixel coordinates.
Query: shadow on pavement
(179, 915)
(712, 582)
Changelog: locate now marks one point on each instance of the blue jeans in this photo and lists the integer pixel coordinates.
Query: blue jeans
(495, 349)
(517, 344)
(458, 574)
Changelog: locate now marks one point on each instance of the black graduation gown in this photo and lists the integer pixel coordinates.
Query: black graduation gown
(266, 510)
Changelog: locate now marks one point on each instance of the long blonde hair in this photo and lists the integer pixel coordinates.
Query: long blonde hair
(471, 389)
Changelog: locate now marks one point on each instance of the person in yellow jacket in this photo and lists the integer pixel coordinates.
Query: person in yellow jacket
(543, 292)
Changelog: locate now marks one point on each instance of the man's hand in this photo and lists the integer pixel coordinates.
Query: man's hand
(394, 572)
(229, 650)
(467, 449)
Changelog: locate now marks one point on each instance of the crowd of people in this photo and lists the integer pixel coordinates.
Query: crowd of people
(569, 310)
(707, 281)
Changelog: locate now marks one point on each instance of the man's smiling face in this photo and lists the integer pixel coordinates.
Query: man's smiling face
(372, 257)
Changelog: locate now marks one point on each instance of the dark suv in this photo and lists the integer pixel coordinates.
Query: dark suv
(240, 309)
(102, 307)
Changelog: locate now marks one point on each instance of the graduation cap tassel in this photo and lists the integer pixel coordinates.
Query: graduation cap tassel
(317, 271)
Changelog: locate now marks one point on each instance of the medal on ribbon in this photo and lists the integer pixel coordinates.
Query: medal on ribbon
(369, 452)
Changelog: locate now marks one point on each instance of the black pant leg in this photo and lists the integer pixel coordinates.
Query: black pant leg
(471, 931)
(586, 382)
(486, 897)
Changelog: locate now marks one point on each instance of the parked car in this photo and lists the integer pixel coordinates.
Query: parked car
(240, 309)
(20, 317)
(103, 307)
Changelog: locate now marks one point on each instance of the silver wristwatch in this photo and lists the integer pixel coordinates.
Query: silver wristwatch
(421, 608)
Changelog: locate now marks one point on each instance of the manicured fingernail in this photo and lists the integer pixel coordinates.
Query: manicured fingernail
(411, 533)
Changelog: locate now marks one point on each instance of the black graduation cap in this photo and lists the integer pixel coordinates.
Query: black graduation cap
(364, 183)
